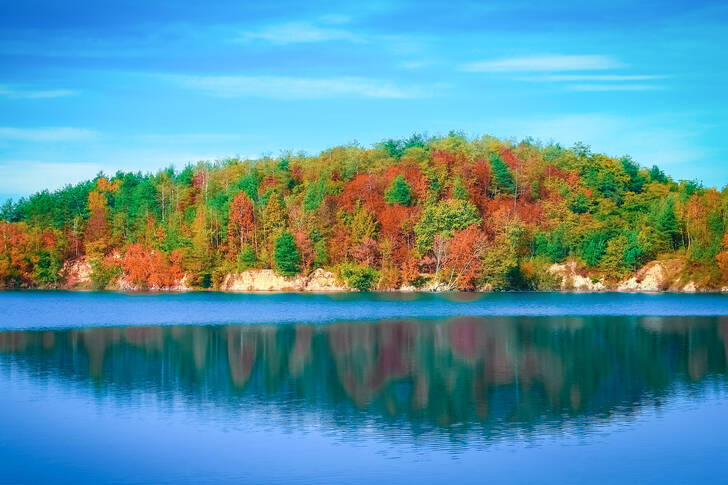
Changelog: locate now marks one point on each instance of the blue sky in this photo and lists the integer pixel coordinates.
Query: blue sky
(140, 85)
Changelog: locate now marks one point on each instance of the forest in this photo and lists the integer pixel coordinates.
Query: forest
(431, 213)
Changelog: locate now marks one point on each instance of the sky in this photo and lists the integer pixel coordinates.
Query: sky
(112, 85)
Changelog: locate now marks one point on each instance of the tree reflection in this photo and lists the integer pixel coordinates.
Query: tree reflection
(471, 371)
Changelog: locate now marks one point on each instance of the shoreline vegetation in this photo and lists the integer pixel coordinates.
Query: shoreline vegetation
(422, 214)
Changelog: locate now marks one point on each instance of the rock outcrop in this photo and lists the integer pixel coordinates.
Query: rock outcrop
(268, 280)
(658, 276)
(574, 279)
(77, 274)
(322, 280)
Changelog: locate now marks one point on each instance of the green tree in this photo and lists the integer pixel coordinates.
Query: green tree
(459, 191)
(315, 193)
(247, 258)
(556, 248)
(399, 192)
(636, 180)
(285, 255)
(594, 246)
(502, 176)
(47, 267)
(657, 175)
(580, 203)
(444, 218)
(667, 225)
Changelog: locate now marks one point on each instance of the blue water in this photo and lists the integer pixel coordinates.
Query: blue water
(54, 309)
(215, 388)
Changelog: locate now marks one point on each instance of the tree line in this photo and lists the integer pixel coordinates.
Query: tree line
(447, 212)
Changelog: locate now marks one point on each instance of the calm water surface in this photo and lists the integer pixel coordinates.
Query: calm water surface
(209, 388)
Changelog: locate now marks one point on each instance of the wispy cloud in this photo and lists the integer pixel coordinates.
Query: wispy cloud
(299, 33)
(17, 93)
(50, 134)
(613, 87)
(282, 87)
(543, 63)
(592, 77)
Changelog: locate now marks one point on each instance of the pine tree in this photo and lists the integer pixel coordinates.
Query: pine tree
(399, 192)
(287, 259)
(502, 176)
(667, 225)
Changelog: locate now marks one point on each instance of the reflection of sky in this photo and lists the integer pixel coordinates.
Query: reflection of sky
(53, 432)
(137, 85)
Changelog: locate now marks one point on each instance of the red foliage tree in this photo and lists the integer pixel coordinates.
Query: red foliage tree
(152, 269)
(463, 260)
(242, 222)
(367, 252)
(339, 244)
(364, 188)
(305, 250)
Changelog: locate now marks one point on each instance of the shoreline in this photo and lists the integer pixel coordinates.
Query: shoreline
(129, 291)
(659, 276)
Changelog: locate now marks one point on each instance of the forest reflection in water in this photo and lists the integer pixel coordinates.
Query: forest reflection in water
(495, 375)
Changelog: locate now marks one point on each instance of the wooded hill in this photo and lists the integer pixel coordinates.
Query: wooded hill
(434, 213)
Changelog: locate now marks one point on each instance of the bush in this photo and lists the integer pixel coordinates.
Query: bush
(359, 277)
(102, 274)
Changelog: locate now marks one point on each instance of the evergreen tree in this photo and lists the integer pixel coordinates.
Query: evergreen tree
(636, 180)
(667, 224)
(502, 176)
(285, 255)
(657, 175)
(399, 192)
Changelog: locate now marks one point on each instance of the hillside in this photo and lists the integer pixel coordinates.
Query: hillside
(428, 213)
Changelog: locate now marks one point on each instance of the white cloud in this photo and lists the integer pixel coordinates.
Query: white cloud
(613, 87)
(15, 93)
(592, 77)
(302, 88)
(298, 33)
(544, 63)
(51, 134)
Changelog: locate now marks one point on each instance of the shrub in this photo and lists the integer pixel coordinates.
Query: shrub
(359, 277)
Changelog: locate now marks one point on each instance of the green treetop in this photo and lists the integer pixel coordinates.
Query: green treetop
(287, 259)
(399, 192)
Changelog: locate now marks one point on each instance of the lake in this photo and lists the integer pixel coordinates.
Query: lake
(363, 388)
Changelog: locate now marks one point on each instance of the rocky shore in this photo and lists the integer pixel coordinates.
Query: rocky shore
(654, 277)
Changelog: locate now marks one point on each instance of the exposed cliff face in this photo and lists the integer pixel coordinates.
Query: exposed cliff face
(76, 274)
(574, 279)
(655, 276)
(659, 276)
(665, 275)
(269, 280)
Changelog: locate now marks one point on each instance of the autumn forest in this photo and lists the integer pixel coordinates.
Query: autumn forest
(428, 213)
